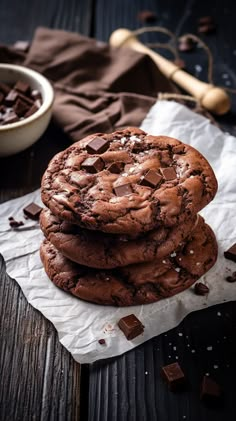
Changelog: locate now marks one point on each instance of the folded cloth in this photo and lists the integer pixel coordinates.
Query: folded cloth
(98, 88)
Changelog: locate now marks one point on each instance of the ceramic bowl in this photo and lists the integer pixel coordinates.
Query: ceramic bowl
(16, 137)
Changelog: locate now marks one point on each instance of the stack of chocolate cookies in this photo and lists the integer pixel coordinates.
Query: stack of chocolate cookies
(121, 221)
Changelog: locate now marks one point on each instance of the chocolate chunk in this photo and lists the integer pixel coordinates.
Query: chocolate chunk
(11, 97)
(97, 145)
(186, 44)
(31, 111)
(15, 224)
(207, 28)
(20, 107)
(210, 391)
(204, 20)
(131, 326)
(26, 98)
(4, 88)
(151, 179)
(22, 87)
(147, 16)
(9, 118)
(116, 167)
(168, 173)
(123, 190)
(93, 165)
(32, 211)
(22, 46)
(101, 341)
(231, 253)
(201, 289)
(231, 278)
(173, 376)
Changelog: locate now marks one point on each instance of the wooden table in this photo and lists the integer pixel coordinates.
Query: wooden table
(39, 378)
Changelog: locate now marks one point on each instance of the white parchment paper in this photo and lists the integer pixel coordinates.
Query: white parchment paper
(79, 324)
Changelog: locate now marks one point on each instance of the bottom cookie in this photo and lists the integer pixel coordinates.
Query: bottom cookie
(142, 283)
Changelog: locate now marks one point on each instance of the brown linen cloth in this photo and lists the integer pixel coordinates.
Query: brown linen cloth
(98, 88)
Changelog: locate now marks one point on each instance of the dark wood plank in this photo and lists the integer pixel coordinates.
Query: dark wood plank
(39, 378)
(18, 20)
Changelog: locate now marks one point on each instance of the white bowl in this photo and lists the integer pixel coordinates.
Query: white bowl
(16, 137)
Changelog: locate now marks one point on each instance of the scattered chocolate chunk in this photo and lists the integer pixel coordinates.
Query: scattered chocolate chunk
(13, 223)
(151, 179)
(231, 253)
(123, 190)
(205, 20)
(186, 44)
(22, 46)
(101, 341)
(201, 289)
(116, 167)
(22, 87)
(168, 173)
(207, 28)
(32, 211)
(231, 278)
(11, 97)
(4, 88)
(97, 145)
(131, 326)
(93, 165)
(210, 391)
(174, 377)
(147, 16)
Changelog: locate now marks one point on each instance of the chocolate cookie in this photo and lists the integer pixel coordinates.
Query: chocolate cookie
(127, 182)
(135, 284)
(99, 250)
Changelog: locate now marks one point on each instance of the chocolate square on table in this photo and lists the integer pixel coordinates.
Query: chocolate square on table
(131, 326)
(210, 392)
(230, 254)
(32, 211)
(168, 173)
(123, 190)
(174, 377)
(93, 165)
(151, 179)
(97, 145)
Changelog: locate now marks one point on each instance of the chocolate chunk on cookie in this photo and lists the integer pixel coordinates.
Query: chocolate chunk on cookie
(139, 283)
(158, 181)
(99, 250)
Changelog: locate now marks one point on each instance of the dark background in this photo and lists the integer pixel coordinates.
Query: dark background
(39, 379)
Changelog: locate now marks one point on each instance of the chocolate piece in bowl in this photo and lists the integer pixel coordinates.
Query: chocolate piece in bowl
(131, 326)
(116, 202)
(174, 376)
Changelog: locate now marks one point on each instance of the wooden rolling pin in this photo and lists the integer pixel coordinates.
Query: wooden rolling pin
(209, 96)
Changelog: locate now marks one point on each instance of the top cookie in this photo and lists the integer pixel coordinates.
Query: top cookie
(127, 182)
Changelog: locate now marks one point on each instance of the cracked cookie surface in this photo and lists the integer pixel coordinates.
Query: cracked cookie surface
(139, 283)
(100, 250)
(127, 182)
